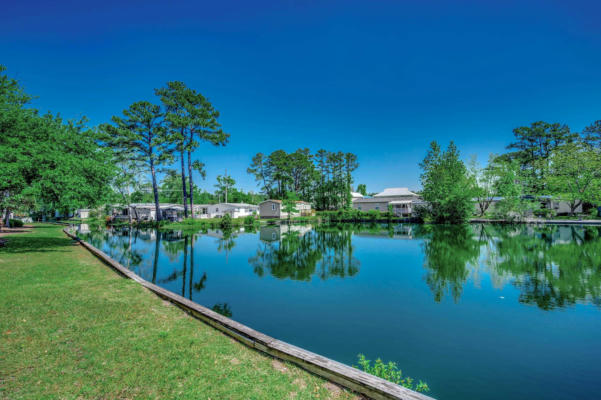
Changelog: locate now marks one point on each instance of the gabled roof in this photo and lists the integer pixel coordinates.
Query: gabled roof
(244, 205)
(389, 192)
(271, 201)
(356, 195)
(371, 200)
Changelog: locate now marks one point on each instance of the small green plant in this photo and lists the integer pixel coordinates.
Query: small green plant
(15, 223)
(392, 373)
(373, 215)
(226, 221)
(249, 220)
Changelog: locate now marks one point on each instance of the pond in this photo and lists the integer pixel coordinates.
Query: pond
(476, 311)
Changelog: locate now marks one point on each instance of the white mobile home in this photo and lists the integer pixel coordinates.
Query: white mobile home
(83, 213)
(235, 210)
(400, 199)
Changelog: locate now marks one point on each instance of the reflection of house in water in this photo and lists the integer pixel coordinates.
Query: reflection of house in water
(83, 228)
(273, 233)
(147, 234)
(564, 235)
(219, 233)
(400, 232)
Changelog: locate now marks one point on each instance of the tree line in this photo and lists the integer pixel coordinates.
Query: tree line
(170, 191)
(545, 160)
(324, 178)
(49, 164)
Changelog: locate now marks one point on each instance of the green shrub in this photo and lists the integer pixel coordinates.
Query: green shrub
(373, 215)
(249, 220)
(226, 221)
(391, 373)
(15, 223)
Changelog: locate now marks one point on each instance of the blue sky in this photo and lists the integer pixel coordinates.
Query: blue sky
(377, 78)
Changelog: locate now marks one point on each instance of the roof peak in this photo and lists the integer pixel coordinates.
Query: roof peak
(397, 191)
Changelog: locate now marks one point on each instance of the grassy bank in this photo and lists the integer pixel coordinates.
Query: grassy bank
(73, 328)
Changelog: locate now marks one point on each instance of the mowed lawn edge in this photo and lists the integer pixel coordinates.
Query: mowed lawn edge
(71, 327)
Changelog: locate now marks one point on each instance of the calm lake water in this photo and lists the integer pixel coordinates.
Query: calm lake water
(478, 312)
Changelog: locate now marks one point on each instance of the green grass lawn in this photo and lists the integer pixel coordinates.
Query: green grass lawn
(73, 328)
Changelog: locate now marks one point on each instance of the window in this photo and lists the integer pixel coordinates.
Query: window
(273, 207)
(377, 208)
(217, 209)
(359, 207)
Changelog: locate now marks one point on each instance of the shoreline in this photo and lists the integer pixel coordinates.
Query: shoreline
(342, 374)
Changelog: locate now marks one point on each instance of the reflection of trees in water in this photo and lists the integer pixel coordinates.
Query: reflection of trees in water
(552, 266)
(119, 244)
(448, 250)
(226, 242)
(299, 256)
(223, 309)
(175, 245)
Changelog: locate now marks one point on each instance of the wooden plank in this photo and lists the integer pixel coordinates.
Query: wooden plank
(352, 378)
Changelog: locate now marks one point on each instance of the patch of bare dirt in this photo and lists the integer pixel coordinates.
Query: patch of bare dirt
(300, 383)
(279, 366)
(333, 389)
(11, 231)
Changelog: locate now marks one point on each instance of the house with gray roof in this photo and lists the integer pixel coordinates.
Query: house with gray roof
(400, 199)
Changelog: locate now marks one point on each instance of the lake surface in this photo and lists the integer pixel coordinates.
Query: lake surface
(478, 311)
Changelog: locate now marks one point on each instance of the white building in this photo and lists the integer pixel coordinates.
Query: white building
(235, 210)
(356, 195)
(82, 213)
(175, 212)
(401, 200)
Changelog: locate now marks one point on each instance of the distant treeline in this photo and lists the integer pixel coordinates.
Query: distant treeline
(546, 160)
(323, 178)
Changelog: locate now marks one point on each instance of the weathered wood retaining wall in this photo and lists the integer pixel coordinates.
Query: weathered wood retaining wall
(334, 371)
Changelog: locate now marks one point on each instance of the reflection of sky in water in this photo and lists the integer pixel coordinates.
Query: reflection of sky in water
(462, 308)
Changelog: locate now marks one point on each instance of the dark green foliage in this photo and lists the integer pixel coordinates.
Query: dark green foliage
(249, 220)
(15, 223)
(46, 163)
(447, 186)
(532, 149)
(226, 222)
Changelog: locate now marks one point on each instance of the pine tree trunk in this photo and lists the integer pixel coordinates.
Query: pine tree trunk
(191, 187)
(185, 195)
(155, 191)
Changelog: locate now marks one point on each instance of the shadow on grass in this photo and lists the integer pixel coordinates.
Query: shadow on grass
(28, 244)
